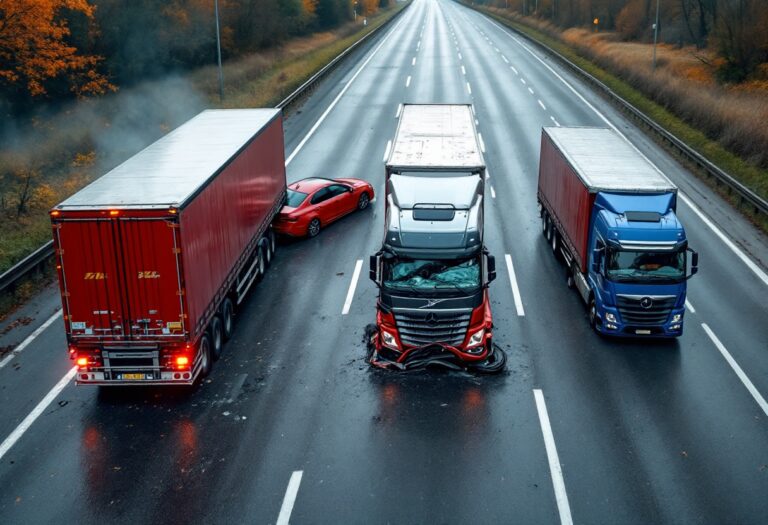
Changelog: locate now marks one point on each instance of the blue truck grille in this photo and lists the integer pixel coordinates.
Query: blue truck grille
(418, 328)
(645, 310)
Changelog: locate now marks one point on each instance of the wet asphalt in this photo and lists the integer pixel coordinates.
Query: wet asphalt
(645, 432)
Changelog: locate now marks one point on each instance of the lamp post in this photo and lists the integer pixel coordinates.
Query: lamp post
(218, 50)
(655, 34)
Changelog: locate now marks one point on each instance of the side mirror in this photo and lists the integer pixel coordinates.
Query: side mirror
(694, 263)
(373, 271)
(491, 265)
(597, 255)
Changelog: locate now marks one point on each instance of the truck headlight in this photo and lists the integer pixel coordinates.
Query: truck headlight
(677, 318)
(477, 338)
(389, 340)
(610, 317)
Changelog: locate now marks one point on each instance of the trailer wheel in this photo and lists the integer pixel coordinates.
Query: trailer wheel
(272, 242)
(267, 252)
(262, 262)
(204, 347)
(314, 228)
(217, 337)
(553, 240)
(227, 318)
(544, 224)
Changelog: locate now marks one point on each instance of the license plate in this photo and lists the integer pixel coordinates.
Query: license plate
(643, 332)
(134, 377)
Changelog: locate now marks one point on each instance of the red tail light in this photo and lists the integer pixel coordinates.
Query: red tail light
(182, 362)
(82, 362)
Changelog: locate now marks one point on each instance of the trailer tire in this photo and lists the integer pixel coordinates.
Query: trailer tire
(227, 318)
(262, 264)
(267, 252)
(544, 224)
(204, 347)
(272, 238)
(553, 240)
(216, 332)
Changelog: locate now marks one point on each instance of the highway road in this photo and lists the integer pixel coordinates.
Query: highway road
(292, 425)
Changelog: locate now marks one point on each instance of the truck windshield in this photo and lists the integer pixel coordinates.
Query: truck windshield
(634, 266)
(430, 275)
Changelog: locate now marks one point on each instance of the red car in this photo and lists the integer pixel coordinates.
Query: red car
(314, 203)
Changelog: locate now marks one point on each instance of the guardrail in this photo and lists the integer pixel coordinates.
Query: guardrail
(747, 198)
(36, 260)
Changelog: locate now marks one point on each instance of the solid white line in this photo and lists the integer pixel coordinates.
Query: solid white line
(690, 307)
(505, 59)
(290, 498)
(408, 81)
(386, 151)
(469, 88)
(399, 109)
(730, 244)
(515, 289)
(482, 142)
(338, 97)
(352, 286)
(530, 91)
(514, 70)
(493, 192)
(36, 412)
(463, 71)
(561, 497)
(413, 62)
(542, 105)
(736, 368)
(31, 337)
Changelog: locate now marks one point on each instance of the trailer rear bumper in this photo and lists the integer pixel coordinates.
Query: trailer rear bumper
(102, 378)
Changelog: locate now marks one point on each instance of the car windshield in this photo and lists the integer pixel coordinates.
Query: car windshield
(637, 266)
(294, 198)
(429, 275)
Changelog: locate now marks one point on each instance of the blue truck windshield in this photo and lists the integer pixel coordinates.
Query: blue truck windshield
(635, 266)
(430, 275)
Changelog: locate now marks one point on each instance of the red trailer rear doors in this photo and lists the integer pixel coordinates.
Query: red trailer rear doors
(121, 278)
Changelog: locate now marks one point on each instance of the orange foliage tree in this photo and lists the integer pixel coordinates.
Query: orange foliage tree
(33, 46)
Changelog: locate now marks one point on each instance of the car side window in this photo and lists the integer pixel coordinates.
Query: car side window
(337, 189)
(321, 195)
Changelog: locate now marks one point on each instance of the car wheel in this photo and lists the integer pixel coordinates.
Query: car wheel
(217, 337)
(314, 228)
(364, 201)
(204, 347)
(227, 318)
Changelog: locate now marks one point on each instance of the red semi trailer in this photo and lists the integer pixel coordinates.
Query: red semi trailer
(154, 256)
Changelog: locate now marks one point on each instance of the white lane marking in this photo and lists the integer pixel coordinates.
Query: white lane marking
(493, 192)
(460, 57)
(352, 286)
(487, 173)
(399, 109)
(505, 59)
(730, 244)
(469, 88)
(31, 337)
(561, 497)
(542, 105)
(463, 71)
(515, 288)
(290, 498)
(496, 49)
(418, 45)
(736, 368)
(522, 80)
(36, 412)
(482, 142)
(690, 306)
(555, 121)
(530, 91)
(514, 70)
(408, 81)
(386, 150)
(338, 97)
(413, 62)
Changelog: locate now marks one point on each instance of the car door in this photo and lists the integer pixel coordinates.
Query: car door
(323, 207)
(341, 199)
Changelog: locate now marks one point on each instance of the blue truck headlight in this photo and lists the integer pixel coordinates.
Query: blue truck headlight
(677, 318)
(610, 317)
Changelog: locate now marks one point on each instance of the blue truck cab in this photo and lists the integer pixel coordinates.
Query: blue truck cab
(610, 213)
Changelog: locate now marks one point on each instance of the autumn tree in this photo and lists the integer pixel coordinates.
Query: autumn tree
(34, 47)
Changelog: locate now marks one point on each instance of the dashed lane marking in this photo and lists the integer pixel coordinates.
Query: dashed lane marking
(289, 500)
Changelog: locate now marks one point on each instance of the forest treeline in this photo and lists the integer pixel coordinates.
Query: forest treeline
(54, 50)
(736, 30)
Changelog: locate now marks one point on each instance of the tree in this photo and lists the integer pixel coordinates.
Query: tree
(34, 47)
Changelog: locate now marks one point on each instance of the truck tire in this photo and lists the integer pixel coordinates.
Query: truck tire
(553, 240)
(267, 252)
(544, 224)
(314, 228)
(227, 318)
(216, 332)
(262, 264)
(272, 242)
(592, 312)
(570, 280)
(204, 347)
